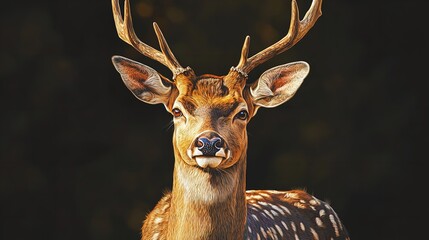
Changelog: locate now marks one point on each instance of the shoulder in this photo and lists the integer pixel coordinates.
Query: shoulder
(154, 225)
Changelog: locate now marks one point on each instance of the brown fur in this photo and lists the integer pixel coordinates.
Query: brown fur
(204, 203)
(213, 203)
(208, 199)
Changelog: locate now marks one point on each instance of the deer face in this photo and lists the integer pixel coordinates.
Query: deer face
(210, 124)
(210, 113)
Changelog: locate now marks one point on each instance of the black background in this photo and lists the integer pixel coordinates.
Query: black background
(81, 158)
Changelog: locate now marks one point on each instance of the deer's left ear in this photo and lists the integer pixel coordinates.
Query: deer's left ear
(277, 85)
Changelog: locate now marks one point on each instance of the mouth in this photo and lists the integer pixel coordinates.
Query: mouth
(208, 161)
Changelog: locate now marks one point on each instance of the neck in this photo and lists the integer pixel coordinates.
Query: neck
(208, 204)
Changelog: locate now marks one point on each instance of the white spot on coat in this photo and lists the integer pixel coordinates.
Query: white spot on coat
(291, 195)
(293, 226)
(279, 229)
(302, 226)
(269, 214)
(296, 237)
(319, 222)
(263, 232)
(285, 209)
(277, 209)
(155, 236)
(315, 235)
(274, 213)
(284, 225)
(334, 224)
(158, 220)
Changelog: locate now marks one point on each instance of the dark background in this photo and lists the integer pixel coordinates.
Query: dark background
(81, 158)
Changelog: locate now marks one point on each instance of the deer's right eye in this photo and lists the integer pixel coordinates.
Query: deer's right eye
(177, 113)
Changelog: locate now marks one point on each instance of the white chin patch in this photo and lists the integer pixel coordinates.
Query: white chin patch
(204, 161)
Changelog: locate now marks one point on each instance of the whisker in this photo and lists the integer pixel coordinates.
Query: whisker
(169, 126)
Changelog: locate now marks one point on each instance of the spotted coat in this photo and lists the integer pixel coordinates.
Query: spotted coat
(294, 215)
(291, 215)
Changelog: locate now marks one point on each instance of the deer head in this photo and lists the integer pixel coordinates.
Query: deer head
(211, 112)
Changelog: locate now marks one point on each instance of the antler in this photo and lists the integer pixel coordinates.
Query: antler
(124, 27)
(297, 31)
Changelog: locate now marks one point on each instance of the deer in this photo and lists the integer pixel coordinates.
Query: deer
(208, 199)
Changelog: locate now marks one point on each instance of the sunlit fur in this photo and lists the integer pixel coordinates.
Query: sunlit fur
(208, 199)
(213, 203)
(205, 203)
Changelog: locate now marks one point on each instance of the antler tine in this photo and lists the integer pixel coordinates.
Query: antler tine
(297, 31)
(245, 51)
(124, 27)
(167, 51)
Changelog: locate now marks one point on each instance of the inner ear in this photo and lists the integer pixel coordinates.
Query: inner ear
(143, 81)
(277, 85)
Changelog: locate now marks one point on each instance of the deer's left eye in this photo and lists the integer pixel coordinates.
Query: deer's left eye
(242, 115)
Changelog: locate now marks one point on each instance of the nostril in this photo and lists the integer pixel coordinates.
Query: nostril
(218, 143)
(200, 143)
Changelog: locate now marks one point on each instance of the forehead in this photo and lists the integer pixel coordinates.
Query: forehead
(209, 86)
(209, 92)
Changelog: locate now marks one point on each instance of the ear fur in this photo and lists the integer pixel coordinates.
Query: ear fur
(143, 81)
(278, 84)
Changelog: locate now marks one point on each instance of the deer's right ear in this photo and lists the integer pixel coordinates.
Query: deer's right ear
(143, 81)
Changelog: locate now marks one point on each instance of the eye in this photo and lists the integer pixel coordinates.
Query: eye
(177, 113)
(242, 115)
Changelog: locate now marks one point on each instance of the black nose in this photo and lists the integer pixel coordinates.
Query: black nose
(209, 145)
